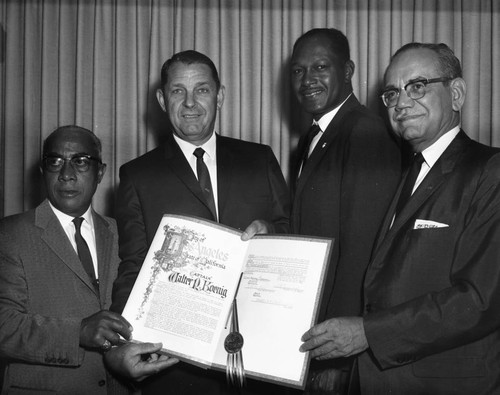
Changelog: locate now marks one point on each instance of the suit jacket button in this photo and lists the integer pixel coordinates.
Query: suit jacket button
(368, 308)
(102, 383)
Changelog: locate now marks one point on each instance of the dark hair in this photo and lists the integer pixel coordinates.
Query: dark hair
(338, 41)
(448, 62)
(189, 57)
(95, 139)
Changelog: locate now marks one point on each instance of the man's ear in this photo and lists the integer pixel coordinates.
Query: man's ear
(220, 96)
(161, 99)
(101, 172)
(349, 70)
(458, 91)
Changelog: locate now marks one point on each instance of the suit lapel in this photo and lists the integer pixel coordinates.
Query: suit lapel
(57, 240)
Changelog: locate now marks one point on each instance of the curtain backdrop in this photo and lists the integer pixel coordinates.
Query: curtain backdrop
(97, 64)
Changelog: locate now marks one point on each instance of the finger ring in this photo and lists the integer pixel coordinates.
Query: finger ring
(106, 345)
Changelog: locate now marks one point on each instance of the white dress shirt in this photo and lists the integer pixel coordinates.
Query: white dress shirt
(87, 230)
(431, 154)
(210, 159)
(323, 123)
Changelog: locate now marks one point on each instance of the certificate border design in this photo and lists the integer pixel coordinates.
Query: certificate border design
(172, 254)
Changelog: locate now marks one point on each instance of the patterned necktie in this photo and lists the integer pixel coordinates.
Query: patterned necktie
(83, 251)
(204, 180)
(407, 189)
(311, 133)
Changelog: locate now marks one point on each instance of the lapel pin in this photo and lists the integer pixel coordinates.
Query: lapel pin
(324, 145)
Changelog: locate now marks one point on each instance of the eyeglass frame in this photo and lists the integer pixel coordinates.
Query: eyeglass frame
(425, 81)
(70, 160)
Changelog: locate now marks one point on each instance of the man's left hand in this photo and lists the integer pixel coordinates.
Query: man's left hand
(103, 329)
(256, 227)
(334, 338)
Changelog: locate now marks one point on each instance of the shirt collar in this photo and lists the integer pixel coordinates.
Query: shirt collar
(325, 120)
(187, 148)
(431, 154)
(66, 219)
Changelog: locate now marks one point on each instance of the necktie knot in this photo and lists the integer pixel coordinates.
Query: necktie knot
(314, 130)
(418, 159)
(199, 152)
(78, 223)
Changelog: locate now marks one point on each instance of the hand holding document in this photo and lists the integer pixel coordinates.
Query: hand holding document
(184, 294)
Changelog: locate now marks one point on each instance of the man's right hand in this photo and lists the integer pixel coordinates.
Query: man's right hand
(137, 360)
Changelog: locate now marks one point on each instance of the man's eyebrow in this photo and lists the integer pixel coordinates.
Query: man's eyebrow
(75, 155)
(415, 79)
(411, 80)
(389, 88)
(198, 84)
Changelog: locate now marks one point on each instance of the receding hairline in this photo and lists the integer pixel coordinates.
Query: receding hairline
(337, 41)
(189, 57)
(445, 60)
(73, 129)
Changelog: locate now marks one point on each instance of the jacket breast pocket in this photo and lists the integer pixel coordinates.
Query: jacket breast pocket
(432, 243)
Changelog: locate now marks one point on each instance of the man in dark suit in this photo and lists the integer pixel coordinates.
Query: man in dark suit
(344, 180)
(53, 323)
(432, 290)
(246, 191)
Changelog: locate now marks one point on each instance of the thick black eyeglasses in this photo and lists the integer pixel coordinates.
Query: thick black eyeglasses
(80, 163)
(414, 89)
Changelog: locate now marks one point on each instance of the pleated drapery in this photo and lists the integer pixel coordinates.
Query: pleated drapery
(97, 64)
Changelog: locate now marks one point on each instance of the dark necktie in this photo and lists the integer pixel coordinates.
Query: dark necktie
(416, 165)
(311, 133)
(204, 180)
(83, 251)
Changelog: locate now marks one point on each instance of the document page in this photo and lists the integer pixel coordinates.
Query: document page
(183, 294)
(277, 302)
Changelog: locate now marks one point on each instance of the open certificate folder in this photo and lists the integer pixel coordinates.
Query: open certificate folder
(185, 289)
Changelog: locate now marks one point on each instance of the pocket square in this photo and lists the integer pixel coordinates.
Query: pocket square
(425, 224)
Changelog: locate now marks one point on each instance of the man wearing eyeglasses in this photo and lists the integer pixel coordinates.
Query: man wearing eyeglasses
(57, 266)
(431, 323)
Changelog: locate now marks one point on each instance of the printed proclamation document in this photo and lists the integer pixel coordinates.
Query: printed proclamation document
(194, 270)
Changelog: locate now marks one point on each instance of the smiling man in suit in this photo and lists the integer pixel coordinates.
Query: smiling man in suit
(57, 266)
(432, 290)
(199, 173)
(344, 179)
